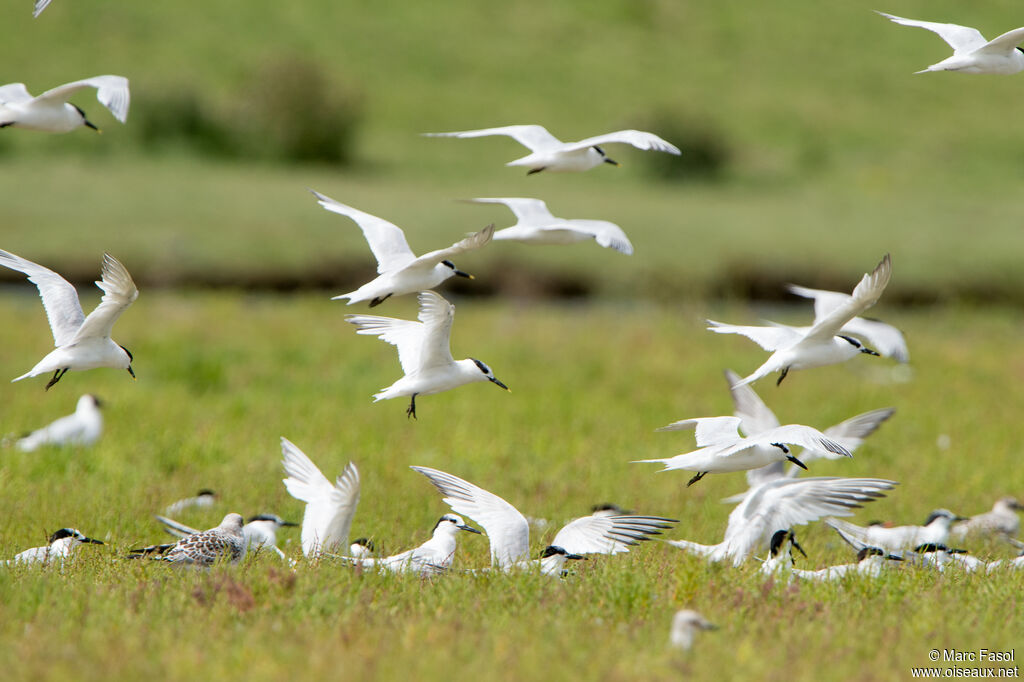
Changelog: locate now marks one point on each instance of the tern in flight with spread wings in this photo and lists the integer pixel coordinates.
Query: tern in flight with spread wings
(400, 270)
(82, 342)
(536, 225)
(820, 344)
(423, 351)
(971, 52)
(551, 154)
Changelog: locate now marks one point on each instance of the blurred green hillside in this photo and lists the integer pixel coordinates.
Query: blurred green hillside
(821, 149)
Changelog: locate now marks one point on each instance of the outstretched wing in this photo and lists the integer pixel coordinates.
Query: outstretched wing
(960, 38)
(40, 6)
(709, 430)
(637, 138)
(1005, 43)
(473, 241)
(865, 294)
(111, 91)
(529, 211)
(406, 335)
(785, 503)
(13, 93)
(608, 534)
(329, 508)
(386, 240)
(507, 529)
(754, 415)
(607, 234)
(770, 338)
(534, 137)
(119, 292)
(59, 298)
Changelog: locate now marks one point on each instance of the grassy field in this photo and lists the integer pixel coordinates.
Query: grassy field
(228, 374)
(827, 154)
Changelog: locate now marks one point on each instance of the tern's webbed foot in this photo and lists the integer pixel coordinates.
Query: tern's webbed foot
(797, 462)
(696, 478)
(56, 377)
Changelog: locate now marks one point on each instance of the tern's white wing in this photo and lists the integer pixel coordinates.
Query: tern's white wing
(709, 430)
(637, 138)
(784, 503)
(119, 292)
(111, 91)
(329, 508)
(770, 338)
(40, 6)
(473, 241)
(864, 296)
(386, 240)
(824, 301)
(436, 314)
(755, 416)
(507, 529)
(790, 434)
(13, 93)
(608, 534)
(178, 530)
(529, 211)
(605, 233)
(1005, 43)
(851, 433)
(960, 38)
(59, 298)
(406, 335)
(534, 137)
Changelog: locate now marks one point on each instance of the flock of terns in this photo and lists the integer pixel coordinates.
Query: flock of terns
(752, 440)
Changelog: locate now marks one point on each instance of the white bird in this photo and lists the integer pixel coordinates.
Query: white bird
(685, 626)
(756, 417)
(224, 542)
(882, 337)
(971, 52)
(935, 531)
(52, 113)
(785, 503)
(259, 532)
(508, 531)
(536, 225)
(928, 554)
(83, 428)
(424, 351)
(81, 342)
(400, 270)
(871, 561)
(1012, 564)
(329, 508)
(40, 6)
(822, 343)
(433, 556)
(722, 448)
(551, 154)
(1002, 521)
(204, 498)
(58, 548)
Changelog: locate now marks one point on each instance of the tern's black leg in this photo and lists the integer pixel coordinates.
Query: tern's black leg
(535, 170)
(696, 478)
(56, 377)
(411, 410)
(797, 462)
(377, 301)
(785, 371)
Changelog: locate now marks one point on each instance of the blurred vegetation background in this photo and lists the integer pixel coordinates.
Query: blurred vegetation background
(809, 148)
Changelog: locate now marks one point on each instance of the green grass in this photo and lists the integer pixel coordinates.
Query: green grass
(222, 377)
